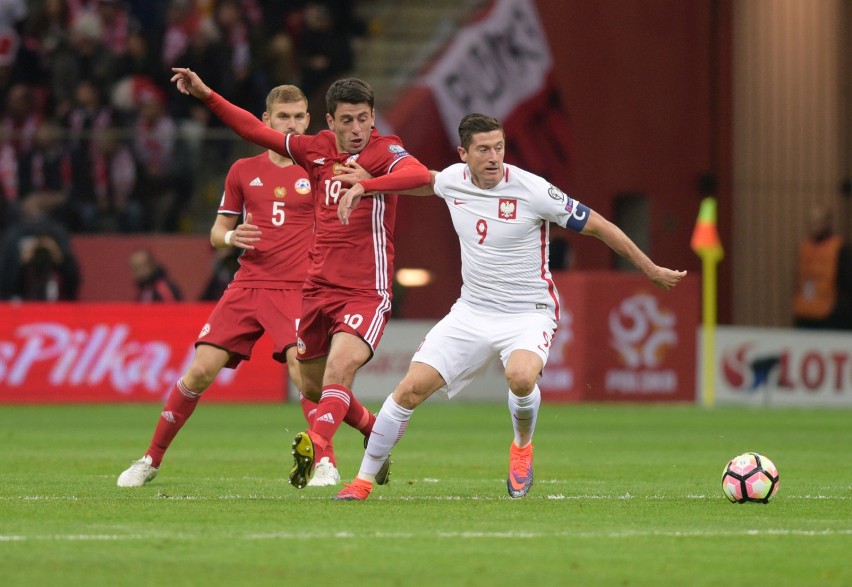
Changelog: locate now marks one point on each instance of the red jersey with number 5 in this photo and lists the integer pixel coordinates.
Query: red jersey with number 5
(359, 255)
(280, 200)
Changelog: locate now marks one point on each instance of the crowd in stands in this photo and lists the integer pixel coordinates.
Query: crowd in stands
(93, 135)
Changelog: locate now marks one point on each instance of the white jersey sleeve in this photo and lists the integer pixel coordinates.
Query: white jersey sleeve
(558, 207)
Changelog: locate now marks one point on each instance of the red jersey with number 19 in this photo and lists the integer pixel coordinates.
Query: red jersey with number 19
(359, 255)
(280, 200)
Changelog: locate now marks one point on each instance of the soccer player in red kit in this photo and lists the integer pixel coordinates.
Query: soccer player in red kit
(347, 292)
(276, 197)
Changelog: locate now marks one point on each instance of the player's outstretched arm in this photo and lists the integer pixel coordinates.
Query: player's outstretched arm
(425, 190)
(188, 82)
(242, 122)
(619, 242)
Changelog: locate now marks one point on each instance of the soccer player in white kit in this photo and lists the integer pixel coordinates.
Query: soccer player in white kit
(509, 305)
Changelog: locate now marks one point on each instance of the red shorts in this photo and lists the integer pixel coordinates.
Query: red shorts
(244, 314)
(328, 311)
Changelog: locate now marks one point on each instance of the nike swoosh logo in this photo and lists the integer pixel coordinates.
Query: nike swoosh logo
(517, 482)
(458, 202)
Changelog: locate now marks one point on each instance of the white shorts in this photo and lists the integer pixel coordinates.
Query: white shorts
(466, 341)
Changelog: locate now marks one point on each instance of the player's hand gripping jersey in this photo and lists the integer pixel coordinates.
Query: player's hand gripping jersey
(498, 228)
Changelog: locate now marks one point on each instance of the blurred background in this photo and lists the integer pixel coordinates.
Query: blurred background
(643, 109)
(637, 108)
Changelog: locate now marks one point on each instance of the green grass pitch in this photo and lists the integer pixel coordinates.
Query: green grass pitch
(624, 495)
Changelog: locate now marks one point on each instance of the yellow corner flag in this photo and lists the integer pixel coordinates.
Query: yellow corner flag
(706, 244)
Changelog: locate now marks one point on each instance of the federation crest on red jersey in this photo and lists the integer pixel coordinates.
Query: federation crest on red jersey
(303, 186)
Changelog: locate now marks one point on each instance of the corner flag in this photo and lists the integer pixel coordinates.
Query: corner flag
(705, 239)
(706, 244)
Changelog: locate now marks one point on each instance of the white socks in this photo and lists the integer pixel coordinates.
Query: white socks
(524, 412)
(391, 422)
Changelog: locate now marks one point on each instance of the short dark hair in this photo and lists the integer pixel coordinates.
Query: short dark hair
(477, 123)
(349, 90)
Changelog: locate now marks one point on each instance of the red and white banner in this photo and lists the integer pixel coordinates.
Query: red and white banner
(500, 65)
(622, 339)
(118, 353)
(782, 367)
(492, 66)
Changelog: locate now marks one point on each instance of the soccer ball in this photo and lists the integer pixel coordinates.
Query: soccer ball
(750, 477)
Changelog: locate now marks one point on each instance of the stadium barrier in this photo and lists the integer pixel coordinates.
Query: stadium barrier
(619, 339)
(781, 367)
(63, 353)
(105, 268)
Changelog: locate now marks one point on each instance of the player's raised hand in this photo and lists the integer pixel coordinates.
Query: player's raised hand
(348, 202)
(352, 173)
(666, 278)
(245, 234)
(188, 82)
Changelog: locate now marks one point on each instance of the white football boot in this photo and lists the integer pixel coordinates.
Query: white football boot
(325, 474)
(139, 473)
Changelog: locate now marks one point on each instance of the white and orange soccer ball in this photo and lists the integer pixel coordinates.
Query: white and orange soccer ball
(750, 477)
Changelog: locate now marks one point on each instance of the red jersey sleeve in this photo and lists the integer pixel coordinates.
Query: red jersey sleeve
(245, 124)
(405, 174)
(233, 198)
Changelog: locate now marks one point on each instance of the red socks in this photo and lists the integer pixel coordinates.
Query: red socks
(179, 407)
(338, 405)
(309, 409)
(360, 418)
(331, 410)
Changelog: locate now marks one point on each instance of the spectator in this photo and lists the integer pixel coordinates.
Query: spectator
(8, 175)
(46, 275)
(224, 267)
(151, 16)
(47, 28)
(207, 54)
(44, 172)
(17, 128)
(151, 279)
(78, 7)
(115, 24)
(280, 59)
(823, 298)
(47, 165)
(36, 260)
(21, 118)
(83, 57)
(88, 115)
(240, 49)
(139, 59)
(19, 61)
(118, 207)
(163, 192)
(323, 54)
(182, 19)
